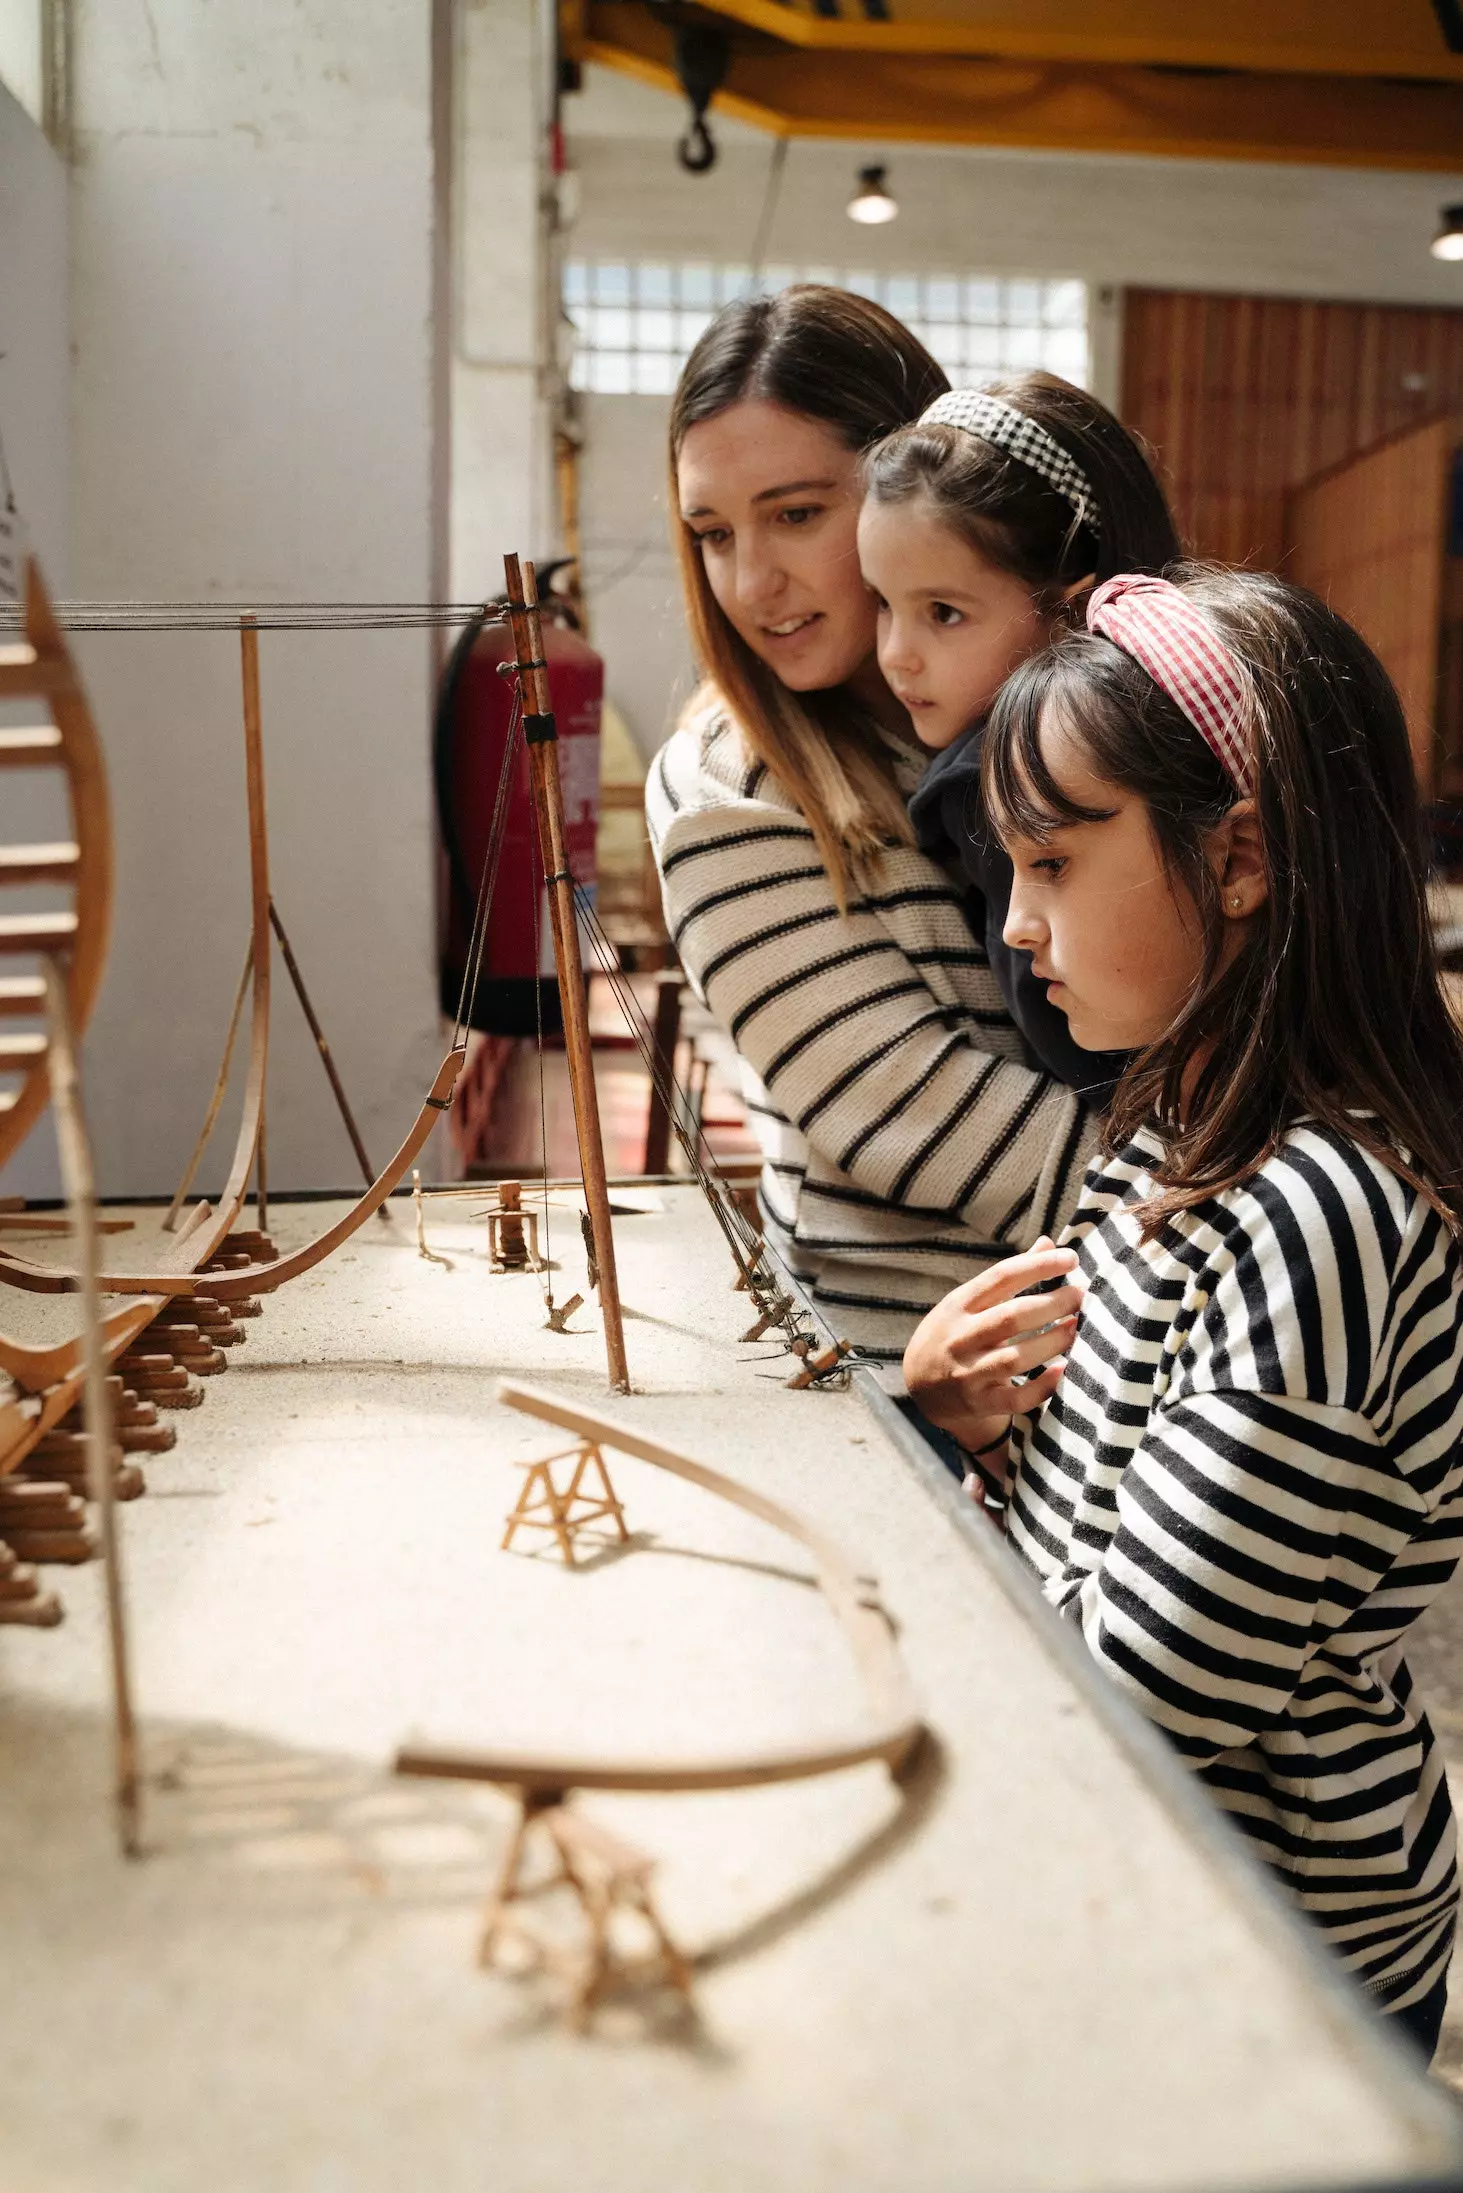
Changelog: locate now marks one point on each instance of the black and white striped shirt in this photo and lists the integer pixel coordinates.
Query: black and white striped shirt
(905, 1146)
(1246, 1489)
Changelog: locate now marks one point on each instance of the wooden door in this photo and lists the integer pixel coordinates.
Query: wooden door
(1370, 537)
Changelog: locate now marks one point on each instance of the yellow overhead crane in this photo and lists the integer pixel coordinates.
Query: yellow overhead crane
(1375, 83)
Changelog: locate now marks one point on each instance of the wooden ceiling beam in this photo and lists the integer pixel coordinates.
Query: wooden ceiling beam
(954, 99)
(1389, 38)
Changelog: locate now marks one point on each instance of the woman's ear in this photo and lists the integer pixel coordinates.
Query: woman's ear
(1238, 862)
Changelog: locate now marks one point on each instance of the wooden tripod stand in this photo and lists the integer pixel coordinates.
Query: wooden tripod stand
(609, 1879)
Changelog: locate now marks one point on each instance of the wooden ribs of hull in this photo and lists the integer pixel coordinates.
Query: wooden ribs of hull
(40, 668)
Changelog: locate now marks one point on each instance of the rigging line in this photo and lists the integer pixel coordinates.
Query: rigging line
(769, 209)
(217, 616)
(748, 1251)
(497, 831)
(741, 1237)
(538, 1014)
(675, 1095)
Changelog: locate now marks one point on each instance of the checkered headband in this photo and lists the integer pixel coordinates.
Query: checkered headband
(1179, 648)
(1001, 424)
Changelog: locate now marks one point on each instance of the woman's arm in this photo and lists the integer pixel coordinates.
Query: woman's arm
(846, 1033)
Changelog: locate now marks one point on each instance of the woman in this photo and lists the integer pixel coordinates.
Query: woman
(907, 1144)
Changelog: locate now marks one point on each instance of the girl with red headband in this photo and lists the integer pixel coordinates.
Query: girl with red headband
(1229, 1419)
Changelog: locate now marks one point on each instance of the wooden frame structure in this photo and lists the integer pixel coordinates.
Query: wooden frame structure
(893, 1729)
(204, 1231)
(39, 668)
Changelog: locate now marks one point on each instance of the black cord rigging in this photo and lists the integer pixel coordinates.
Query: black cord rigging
(216, 616)
(764, 1288)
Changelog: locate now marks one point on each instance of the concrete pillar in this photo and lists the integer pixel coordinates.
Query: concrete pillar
(253, 418)
(35, 432)
(505, 294)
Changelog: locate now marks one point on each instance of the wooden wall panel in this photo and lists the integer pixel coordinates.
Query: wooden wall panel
(1370, 537)
(1245, 398)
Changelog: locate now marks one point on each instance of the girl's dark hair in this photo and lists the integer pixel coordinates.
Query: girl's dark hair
(841, 359)
(1333, 1009)
(1011, 515)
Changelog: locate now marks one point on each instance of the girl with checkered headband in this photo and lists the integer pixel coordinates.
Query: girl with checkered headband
(983, 525)
(1231, 1440)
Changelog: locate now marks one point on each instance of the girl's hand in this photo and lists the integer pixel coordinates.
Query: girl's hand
(961, 1363)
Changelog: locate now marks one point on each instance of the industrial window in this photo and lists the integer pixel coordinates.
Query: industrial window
(635, 323)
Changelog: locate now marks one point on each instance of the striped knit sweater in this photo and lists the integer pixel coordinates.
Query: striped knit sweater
(1246, 1489)
(905, 1146)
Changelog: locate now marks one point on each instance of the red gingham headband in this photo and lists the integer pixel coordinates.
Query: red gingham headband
(1179, 648)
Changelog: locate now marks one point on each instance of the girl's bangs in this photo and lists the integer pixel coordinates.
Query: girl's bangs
(1022, 797)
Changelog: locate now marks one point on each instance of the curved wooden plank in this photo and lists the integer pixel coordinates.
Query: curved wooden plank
(201, 1241)
(37, 1369)
(205, 1228)
(253, 1279)
(895, 1726)
(543, 1773)
(76, 749)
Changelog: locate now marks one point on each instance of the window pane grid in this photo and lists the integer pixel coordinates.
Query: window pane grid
(636, 322)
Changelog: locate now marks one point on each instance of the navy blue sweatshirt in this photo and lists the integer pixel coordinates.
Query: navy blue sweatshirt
(950, 825)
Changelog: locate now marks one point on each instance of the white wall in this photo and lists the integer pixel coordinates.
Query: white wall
(34, 334)
(629, 565)
(1115, 223)
(252, 234)
(22, 54)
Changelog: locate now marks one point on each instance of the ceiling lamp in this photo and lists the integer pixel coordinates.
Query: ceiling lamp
(1447, 244)
(873, 203)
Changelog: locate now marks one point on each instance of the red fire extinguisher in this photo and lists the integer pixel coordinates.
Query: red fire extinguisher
(517, 991)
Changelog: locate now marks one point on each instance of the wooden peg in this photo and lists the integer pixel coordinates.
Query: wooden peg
(21, 1597)
(773, 1312)
(560, 1313)
(815, 1367)
(429, 1256)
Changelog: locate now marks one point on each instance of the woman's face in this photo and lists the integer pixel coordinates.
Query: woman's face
(772, 498)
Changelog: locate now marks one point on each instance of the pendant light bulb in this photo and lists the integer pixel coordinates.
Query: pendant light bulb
(1448, 243)
(873, 203)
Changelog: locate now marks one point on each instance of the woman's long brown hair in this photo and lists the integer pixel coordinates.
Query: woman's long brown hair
(1333, 1009)
(841, 359)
